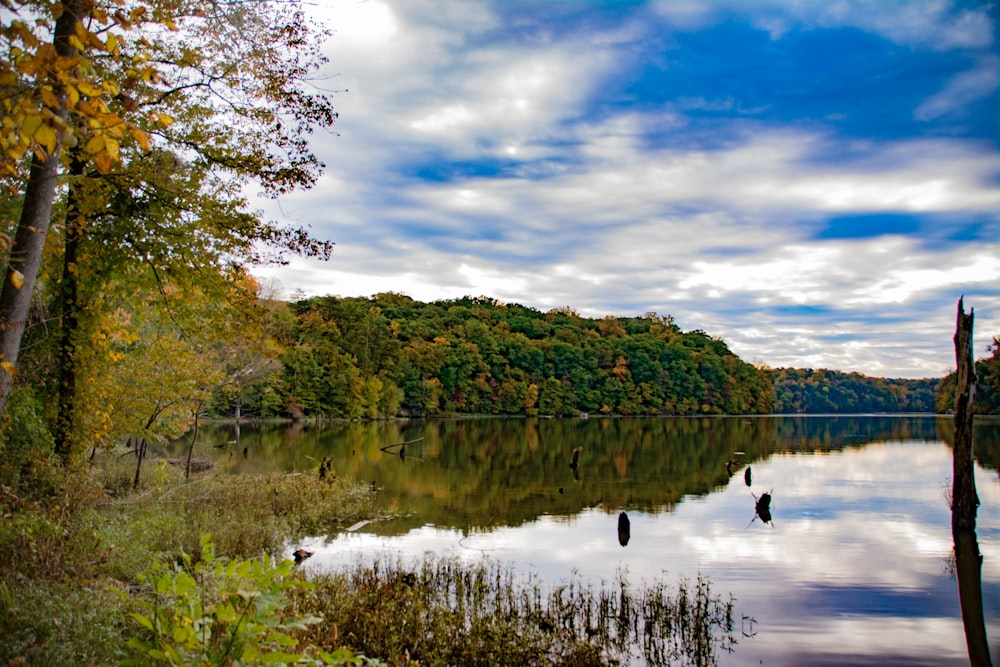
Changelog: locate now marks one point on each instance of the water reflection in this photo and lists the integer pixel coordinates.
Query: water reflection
(968, 565)
(852, 572)
(762, 508)
(624, 529)
(477, 474)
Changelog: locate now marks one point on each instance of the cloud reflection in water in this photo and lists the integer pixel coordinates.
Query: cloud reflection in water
(854, 570)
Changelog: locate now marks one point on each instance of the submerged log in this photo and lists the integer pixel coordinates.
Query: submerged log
(196, 465)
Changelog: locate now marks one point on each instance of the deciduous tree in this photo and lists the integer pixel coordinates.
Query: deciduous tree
(165, 111)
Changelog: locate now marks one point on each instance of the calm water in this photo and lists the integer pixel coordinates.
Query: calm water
(854, 568)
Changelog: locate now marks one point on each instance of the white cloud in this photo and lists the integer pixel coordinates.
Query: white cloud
(685, 14)
(898, 285)
(797, 275)
(935, 24)
(372, 25)
(499, 100)
(962, 90)
(472, 161)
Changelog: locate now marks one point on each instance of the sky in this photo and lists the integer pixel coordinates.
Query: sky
(816, 183)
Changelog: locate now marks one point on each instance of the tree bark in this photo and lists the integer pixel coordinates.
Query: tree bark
(29, 240)
(70, 316)
(140, 455)
(194, 439)
(963, 498)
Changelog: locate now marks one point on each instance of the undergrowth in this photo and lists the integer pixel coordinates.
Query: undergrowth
(94, 572)
(68, 543)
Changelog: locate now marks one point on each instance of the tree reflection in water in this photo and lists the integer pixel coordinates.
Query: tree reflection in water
(507, 482)
(968, 564)
(964, 499)
(762, 508)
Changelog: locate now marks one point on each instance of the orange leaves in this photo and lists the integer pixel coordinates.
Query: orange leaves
(50, 98)
(90, 89)
(24, 34)
(161, 118)
(620, 370)
(140, 137)
(103, 151)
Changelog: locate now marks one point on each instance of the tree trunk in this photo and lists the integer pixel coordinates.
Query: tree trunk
(70, 316)
(964, 500)
(140, 455)
(194, 439)
(29, 240)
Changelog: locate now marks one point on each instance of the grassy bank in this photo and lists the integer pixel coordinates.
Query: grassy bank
(95, 572)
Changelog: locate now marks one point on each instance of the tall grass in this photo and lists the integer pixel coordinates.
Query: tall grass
(445, 611)
(63, 553)
(247, 515)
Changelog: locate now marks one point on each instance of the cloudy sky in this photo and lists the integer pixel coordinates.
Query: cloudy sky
(815, 182)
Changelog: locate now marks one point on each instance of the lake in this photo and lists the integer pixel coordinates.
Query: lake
(855, 567)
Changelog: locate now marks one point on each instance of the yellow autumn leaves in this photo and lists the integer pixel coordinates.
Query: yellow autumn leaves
(48, 100)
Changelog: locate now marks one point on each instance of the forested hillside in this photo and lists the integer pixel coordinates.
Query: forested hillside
(824, 391)
(389, 355)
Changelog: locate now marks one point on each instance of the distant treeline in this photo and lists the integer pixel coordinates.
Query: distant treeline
(833, 392)
(390, 355)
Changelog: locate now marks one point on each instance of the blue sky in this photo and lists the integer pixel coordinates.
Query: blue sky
(815, 182)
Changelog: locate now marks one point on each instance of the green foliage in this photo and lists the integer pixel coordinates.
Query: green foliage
(987, 398)
(27, 467)
(833, 392)
(36, 494)
(217, 612)
(52, 622)
(387, 355)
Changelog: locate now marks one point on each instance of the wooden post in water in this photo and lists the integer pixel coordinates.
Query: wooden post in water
(964, 500)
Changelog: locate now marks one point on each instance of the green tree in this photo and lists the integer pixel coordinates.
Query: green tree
(41, 84)
(190, 113)
(987, 384)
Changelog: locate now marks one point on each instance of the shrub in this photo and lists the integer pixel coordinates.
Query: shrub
(28, 469)
(218, 612)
